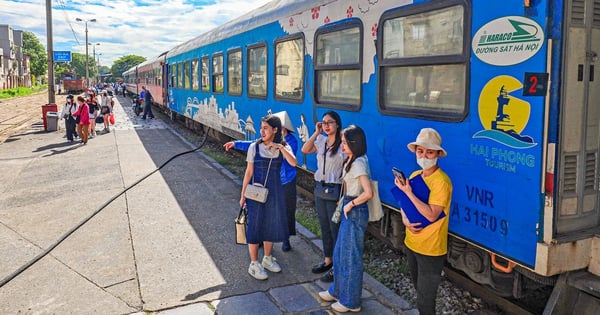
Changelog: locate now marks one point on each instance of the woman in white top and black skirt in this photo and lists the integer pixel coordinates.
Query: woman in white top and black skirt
(328, 182)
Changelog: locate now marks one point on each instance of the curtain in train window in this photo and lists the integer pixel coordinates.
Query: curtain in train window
(425, 65)
(205, 75)
(195, 84)
(289, 69)
(217, 75)
(338, 67)
(234, 72)
(257, 71)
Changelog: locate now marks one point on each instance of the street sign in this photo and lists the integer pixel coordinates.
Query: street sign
(62, 56)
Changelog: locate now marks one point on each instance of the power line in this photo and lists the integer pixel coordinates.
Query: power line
(64, 9)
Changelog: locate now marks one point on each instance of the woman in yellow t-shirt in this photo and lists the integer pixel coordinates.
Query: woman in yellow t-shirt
(427, 247)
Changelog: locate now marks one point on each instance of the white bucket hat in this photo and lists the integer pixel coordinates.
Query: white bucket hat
(286, 122)
(429, 139)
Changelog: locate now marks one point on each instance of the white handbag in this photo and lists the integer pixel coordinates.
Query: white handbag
(257, 191)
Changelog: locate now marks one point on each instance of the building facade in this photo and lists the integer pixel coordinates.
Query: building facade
(14, 64)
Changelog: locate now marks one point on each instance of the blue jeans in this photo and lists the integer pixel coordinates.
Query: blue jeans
(347, 257)
(148, 111)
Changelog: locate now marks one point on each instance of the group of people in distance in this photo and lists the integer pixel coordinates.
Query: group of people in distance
(342, 165)
(82, 115)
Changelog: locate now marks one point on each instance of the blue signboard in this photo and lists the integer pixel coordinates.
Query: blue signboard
(62, 56)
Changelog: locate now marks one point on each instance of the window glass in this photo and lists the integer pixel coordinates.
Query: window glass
(424, 65)
(257, 71)
(186, 74)
(339, 86)
(218, 74)
(431, 33)
(205, 76)
(180, 75)
(289, 68)
(339, 48)
(234, 72)
(338, 69)
(172, 70)
(195, 75)
(434, 87)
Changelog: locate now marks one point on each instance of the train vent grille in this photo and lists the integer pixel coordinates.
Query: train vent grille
(578, 12)
(590, 171)
(596, 18)
(570, 174)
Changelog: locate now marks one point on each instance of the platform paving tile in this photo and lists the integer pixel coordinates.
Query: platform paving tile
(257, 303)
(297, 298)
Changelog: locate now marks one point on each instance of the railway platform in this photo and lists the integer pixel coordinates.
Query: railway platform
(165, 246)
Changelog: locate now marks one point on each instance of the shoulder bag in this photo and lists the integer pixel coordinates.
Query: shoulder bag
(256, 191)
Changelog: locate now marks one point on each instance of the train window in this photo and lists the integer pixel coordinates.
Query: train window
(217, 73)
(205, 76)
(180, 75)
(234, 72)
(257, 70)
(289, 68)
(338, 55)
(195, 75)
(172, 72)
(186, 75)
(423, 61)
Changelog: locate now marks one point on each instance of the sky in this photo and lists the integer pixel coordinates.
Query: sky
(123, 27)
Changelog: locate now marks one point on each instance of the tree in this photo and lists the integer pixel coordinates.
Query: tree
(38, 54)
(125, 63)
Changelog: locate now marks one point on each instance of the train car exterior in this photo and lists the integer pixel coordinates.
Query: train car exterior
(509, 85)
(130, 81)
(151, 74)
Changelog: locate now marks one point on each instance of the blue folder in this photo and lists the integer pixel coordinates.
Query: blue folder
(421, 191)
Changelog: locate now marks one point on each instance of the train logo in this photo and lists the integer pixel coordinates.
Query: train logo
(503, 115)
(508, 41)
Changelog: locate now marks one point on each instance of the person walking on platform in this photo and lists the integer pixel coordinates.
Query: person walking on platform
(67, 114)
(105, 110)
(426, 247)
(348, 252)
(288, 173)
(83, 113)
(94, 109)
(267, 222)
(328, 178)
(148, 101)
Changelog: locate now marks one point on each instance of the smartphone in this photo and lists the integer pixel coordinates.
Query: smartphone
(398, 174)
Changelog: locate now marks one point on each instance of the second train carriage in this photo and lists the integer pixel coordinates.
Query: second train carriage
(510, 86)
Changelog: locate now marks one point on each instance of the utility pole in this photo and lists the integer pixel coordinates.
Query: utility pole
(51, 92)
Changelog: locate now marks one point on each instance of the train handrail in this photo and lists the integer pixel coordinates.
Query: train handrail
(507, 269)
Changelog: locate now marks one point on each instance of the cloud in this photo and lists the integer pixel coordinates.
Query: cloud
(123, 27)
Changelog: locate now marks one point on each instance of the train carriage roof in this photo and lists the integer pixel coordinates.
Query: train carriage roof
(269, 12)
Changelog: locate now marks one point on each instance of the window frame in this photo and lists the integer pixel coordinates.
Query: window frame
(195, 75)
(248, 48)
(206, 58)
(326, 29)
(230, 52)
(187, 75)
(275, 43)
(214, 74)
(435, 60)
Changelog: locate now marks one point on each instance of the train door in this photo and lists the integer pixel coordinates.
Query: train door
(578, 197)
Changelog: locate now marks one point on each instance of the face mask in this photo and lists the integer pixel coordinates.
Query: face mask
(427, 163)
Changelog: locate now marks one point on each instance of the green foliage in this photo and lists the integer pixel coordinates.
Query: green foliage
(37, 52)
(125, 63)
(21, 91)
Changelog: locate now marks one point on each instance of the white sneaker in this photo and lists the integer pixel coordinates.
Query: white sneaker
(326, 296)
(257, 271)
(270, 263)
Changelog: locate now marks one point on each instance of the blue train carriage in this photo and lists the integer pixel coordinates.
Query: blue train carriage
(509, 85)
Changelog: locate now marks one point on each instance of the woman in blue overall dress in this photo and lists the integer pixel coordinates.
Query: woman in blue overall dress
(347, 254)
(267, 222)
